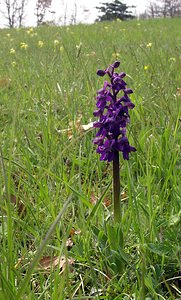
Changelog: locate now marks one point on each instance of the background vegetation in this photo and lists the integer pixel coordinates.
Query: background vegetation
(48, 84)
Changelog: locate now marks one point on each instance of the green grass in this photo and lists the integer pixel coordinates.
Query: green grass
(42, 90)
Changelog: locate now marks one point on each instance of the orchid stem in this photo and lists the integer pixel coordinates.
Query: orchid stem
(116, 189)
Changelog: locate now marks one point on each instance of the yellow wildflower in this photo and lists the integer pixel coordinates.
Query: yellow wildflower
(40, 44)
(23, 45)
(149, 45)
(13, 63)
(92, 53)
(12, 51)
(8, 35)
(33, 34)
(56, 42)
(146, 68)
(172, 59)
(30, 30)
(116, 55)
(61, 49)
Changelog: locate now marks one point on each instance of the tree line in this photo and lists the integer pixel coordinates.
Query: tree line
(14, 11)
(162, 9)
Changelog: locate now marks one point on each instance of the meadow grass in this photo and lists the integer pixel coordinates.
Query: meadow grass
(53, 187)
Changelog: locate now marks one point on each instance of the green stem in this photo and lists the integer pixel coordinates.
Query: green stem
(116, 188)
(143, 275)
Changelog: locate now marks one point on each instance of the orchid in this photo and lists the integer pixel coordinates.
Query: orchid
(113, 104)
(112, 110)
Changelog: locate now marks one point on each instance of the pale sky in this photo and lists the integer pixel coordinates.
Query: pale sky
(86, 11)
(86, 8)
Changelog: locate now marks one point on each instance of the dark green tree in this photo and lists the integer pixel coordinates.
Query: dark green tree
(115, 10)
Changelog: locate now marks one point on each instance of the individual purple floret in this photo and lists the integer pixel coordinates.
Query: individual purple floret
(112, 110)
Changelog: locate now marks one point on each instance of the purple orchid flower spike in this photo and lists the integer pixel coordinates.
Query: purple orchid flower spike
(113, 115)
